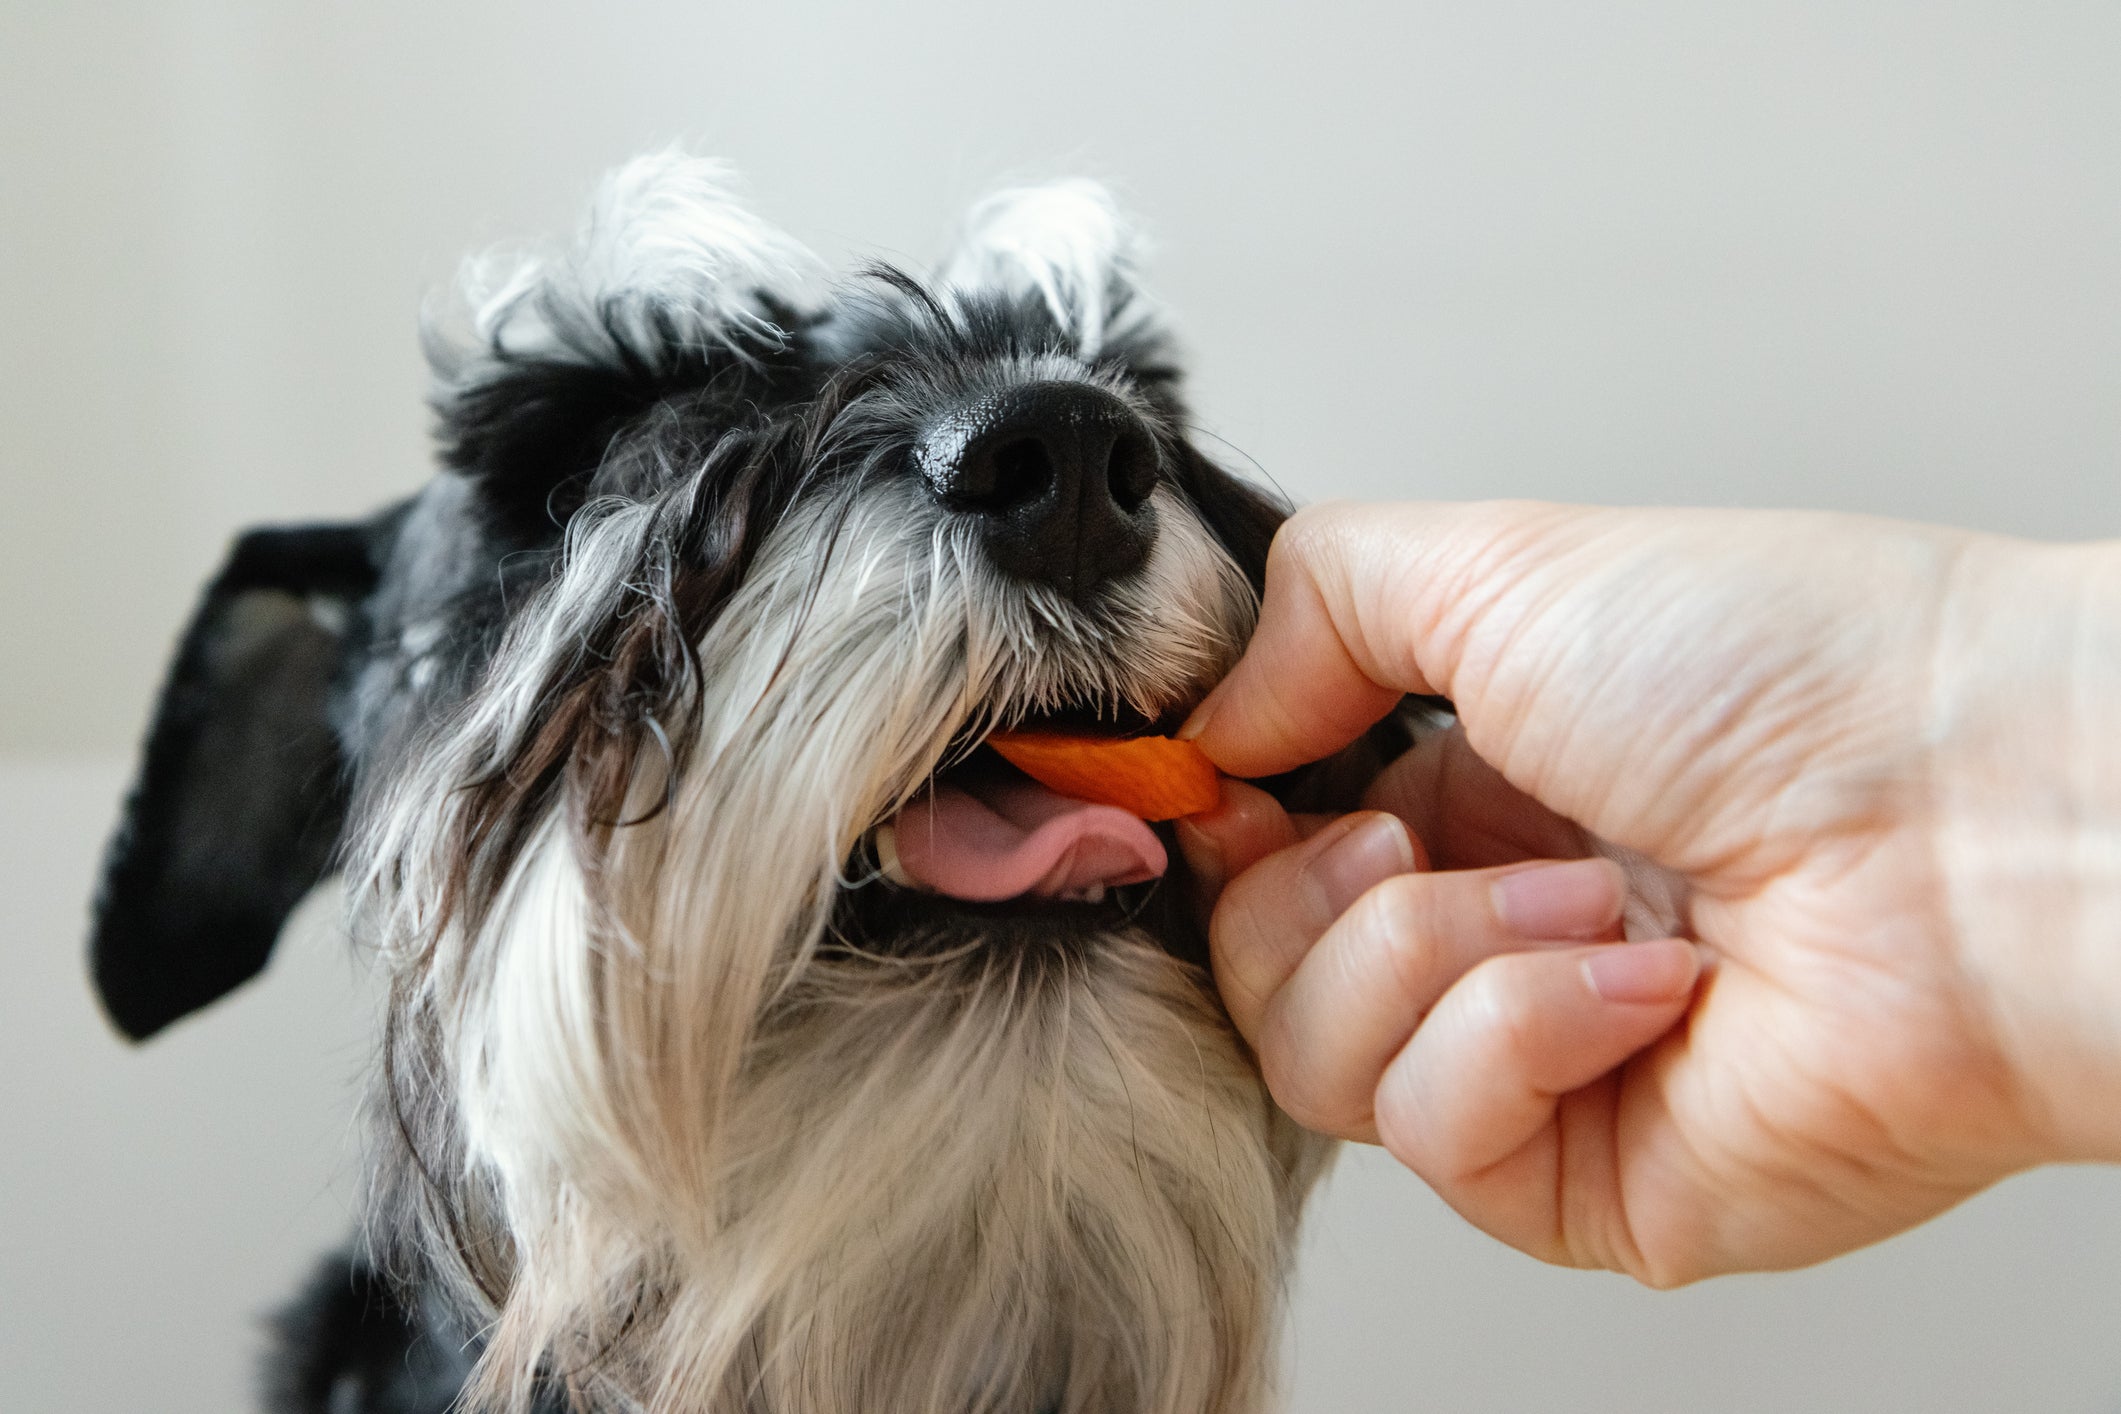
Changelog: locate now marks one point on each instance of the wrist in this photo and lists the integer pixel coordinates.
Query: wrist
(2026, 736)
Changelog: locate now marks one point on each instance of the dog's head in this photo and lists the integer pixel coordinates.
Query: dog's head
(756, 1039)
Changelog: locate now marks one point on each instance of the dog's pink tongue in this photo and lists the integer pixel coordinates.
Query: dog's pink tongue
(1006, 838)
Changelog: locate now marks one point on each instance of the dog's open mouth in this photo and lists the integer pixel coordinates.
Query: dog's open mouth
(983, 831)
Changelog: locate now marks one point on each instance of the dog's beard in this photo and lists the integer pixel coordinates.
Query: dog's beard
(678, 1147)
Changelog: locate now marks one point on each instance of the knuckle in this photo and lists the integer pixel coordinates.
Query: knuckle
(1298, 1084)
(1501, 1010)
(1241, 930)
(1285, 1083)
(1233, 958)
(1664, 1278)
(1308, 539)
(1404, 1128)
(1241, 982)
(1306, 523)
(1397, 925)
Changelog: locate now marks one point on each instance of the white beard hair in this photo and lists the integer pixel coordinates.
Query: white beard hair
(734, 1164)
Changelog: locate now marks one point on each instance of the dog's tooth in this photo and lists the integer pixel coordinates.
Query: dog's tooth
(887, 857)
(1095, 893)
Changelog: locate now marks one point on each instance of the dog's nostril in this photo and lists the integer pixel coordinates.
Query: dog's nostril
(1131, 471)
(1058, 475)
(1022, 472)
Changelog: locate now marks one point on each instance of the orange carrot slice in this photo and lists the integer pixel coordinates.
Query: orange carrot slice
(1155, 777)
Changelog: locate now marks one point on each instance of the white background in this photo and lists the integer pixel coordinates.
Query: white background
(1858, 255)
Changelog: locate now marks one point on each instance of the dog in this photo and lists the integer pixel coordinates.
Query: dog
(755, 1039)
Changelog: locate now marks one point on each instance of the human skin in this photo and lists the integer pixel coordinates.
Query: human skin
(1867, 780)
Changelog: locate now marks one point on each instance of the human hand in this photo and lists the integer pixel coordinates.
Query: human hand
(1867, 780)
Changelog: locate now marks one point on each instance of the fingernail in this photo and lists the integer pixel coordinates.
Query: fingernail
(1197, 723)
(1642, 973)
(1374, 848)
(1578, 899)
(1204, 858)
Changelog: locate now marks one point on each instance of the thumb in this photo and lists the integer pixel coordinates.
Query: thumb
(1363, 603)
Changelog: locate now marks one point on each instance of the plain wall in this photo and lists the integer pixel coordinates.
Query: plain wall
(1855, 255)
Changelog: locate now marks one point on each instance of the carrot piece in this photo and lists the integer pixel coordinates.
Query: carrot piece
(1155, 777)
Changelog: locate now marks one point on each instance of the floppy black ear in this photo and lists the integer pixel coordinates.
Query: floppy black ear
(241, 791)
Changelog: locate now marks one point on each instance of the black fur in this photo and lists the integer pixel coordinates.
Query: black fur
(242, 788)
(351, 1344)
(533, 431)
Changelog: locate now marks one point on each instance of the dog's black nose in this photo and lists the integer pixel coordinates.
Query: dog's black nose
(1058, 475)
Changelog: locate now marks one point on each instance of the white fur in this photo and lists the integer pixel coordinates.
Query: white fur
(668, 258)
(1066, 241)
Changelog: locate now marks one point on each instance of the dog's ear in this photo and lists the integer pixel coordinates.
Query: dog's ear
(673, 285)
(1243, 514)
(1068, 246)
(241, 791)
(531, 435)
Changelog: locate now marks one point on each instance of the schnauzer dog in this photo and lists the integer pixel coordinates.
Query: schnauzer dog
(756, 1040)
